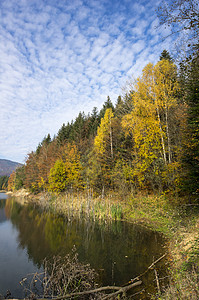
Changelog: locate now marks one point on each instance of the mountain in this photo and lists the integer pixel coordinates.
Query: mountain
(7, 166)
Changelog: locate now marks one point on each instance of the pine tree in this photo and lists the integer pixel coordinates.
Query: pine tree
(191, 156)
(165, 55)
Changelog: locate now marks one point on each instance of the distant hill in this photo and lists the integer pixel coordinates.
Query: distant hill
(7, 166)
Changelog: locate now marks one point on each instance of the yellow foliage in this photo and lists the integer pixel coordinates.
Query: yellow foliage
(149, 122)
(103, 133)
(66, 171)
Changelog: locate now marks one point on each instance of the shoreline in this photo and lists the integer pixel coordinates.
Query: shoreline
(179, 226)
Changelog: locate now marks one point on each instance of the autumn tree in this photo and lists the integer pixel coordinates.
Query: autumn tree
(152, 120)
(103, 155)
(11, 182)
(104, 139)
(31, 173)
(66, 172)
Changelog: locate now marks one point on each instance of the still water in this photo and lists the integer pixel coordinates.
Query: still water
(119, 251)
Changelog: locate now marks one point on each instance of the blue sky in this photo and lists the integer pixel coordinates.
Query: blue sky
(58, 58)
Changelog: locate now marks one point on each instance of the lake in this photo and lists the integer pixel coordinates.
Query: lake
(118, 250)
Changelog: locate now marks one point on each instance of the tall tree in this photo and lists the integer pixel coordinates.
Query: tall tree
(191, 155)
(104, 139)
(107, 104)
(63, 134)
(151, 120)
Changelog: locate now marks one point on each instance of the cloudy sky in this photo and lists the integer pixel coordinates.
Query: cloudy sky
(58, 58)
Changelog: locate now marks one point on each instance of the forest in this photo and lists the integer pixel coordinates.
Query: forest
(148, 141)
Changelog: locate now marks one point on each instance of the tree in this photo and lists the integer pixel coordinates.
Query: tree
(95, 121)
(107, 104)
(58, 177)
(19, 177)
(66, 171)
(31, 172)
(165, 55)
(103, 154)
(104, 139)
(4, 182)
(151, 121)
(182, 16)
(11, 182)
(64, 134)
(191, 144)
(79, 127)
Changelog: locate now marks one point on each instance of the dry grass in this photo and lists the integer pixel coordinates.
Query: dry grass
(184, 287)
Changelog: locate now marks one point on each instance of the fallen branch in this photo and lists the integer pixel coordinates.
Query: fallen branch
(149, 268)
(157, 281)
(105, 288)
(119, 290)
(156, 261)
(123, 290)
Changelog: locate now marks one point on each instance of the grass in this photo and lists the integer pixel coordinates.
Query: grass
(176, 219)
(180, 223)
(84, 205)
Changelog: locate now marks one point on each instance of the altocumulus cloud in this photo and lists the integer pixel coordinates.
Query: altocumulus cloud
(61, 58)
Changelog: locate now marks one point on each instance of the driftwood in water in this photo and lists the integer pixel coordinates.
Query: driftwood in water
(105, 288)
(118, 290)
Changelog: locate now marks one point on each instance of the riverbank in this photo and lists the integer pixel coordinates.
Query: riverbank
(179, 223)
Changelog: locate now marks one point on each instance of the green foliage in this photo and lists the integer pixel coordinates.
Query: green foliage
(106, 105)
(58, 177)
(191, 155)
(66, 171)
(19, 177)
(116, 212)
(165, 55)
(4, 182)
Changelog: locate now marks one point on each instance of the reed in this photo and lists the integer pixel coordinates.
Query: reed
(84, 205)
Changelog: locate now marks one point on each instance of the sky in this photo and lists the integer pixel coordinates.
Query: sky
(58, 58)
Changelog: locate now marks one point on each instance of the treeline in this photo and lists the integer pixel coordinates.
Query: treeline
(148, 140)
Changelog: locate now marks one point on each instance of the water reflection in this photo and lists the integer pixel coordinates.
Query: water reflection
(119, 250)
(2, 211)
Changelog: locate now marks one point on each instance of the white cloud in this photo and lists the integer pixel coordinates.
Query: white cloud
(61, 58)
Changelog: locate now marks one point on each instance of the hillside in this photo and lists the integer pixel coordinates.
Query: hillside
(7, 166)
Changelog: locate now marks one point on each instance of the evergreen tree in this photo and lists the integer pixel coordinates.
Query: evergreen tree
(107, 104)
(4, 182)
(63, 134)
(165, 55)
(191, 157)
(19, 177)
(94, 121)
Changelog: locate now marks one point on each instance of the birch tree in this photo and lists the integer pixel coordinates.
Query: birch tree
(150, 121)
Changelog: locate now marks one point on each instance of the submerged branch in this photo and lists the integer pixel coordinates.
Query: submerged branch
(105, 288)
(118, 289)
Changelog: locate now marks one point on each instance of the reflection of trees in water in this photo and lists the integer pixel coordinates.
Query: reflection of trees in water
(2, 211)
(118, 248)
